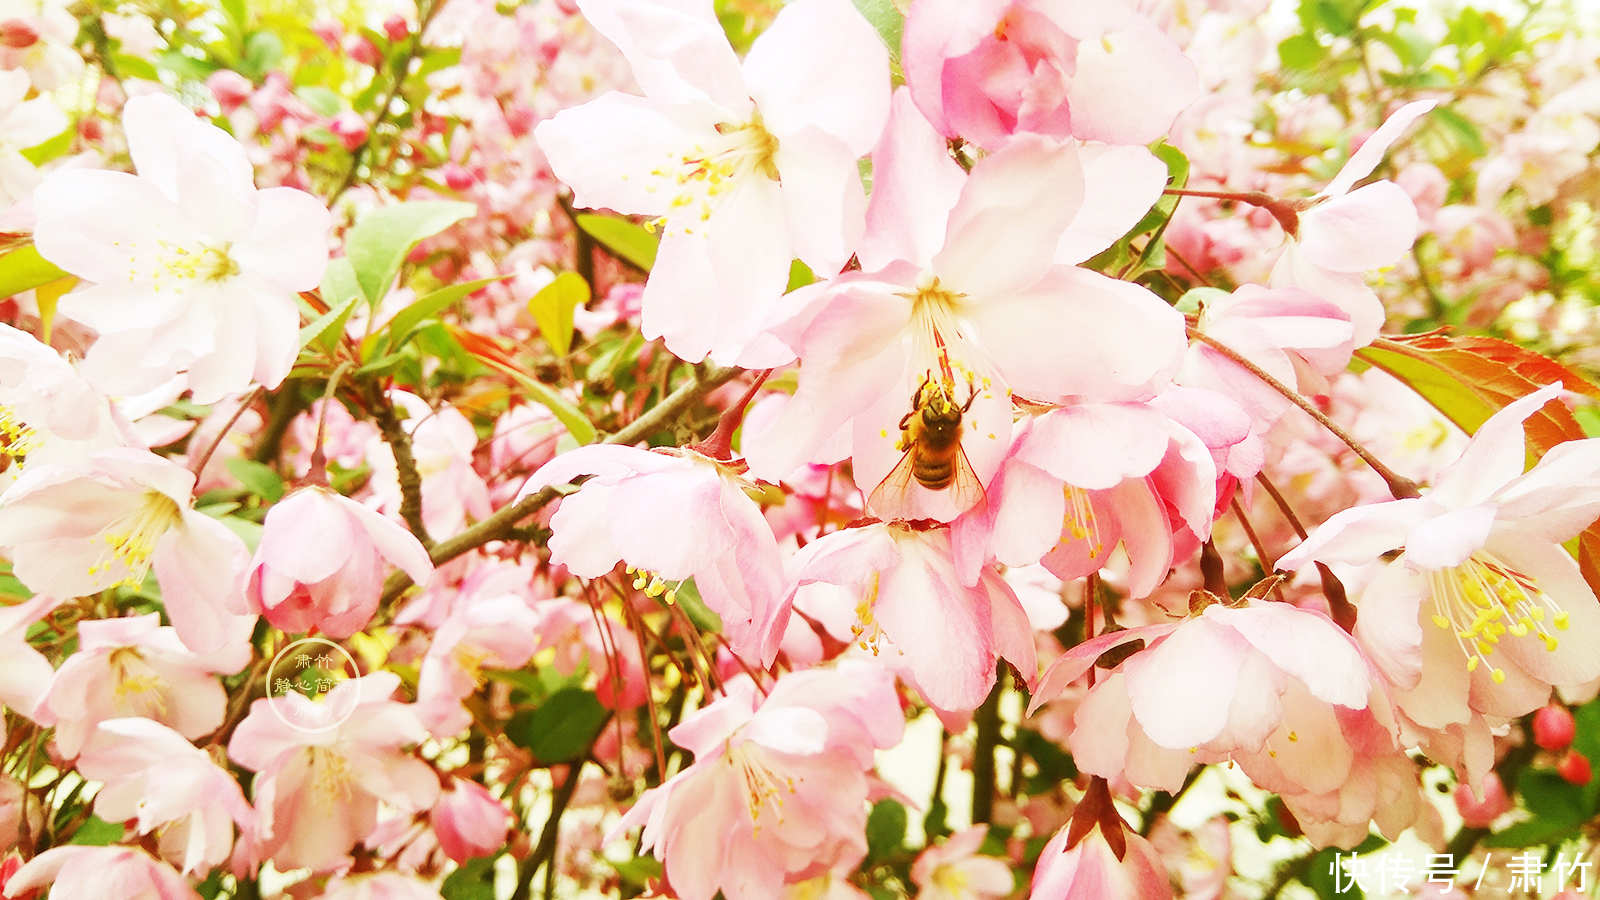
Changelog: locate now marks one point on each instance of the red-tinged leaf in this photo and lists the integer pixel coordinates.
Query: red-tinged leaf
(489, 351)
(1469, 379)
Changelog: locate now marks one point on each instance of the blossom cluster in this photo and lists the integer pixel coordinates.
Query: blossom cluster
(644, 414)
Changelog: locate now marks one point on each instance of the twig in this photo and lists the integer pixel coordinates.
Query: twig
(1400, 486)
(545, 850)
(506, 518)
(405, 465)
(987, 718)
(244, 404)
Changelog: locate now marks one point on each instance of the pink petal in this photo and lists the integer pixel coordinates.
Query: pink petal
(915, 185)
(1372, 151)
(1495, 455)
(1176, 707)
(1120, 184)
(1366, 229)
(820, 64)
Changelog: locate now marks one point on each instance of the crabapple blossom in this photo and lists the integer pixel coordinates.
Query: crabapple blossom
(991, 70)
(747, 165)
(778, 788)
(191, 268)
(24, 672)
(959, 284)
(469, 821)
(112, 873)
(135, 667)
(1347, 232)
(1483, 612)
(379, 886)
(23, 124)
(173, 788)
(72, 530)
(671, 517)
(317, 791)
(1092, 871)
(480, 633)
(955, 870)
(320, 563)
(39, 39)
(910, 602)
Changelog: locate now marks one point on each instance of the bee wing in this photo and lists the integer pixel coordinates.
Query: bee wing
(966, 489)
(893, 494)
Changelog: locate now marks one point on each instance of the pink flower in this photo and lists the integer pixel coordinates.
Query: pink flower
(350, 128)
(1091, 871)
(1484, 611)
(990, 70)
(778, 788)
(379, 886)
(321, 563)
(959, 294)
(480, 633)
(748, 165)
(469, 821)
(911, 603)
(109, 873)
(135, 667)
(670, 517)
(153, 774)
(317, 792)
(954, 870)
(75, 530)
(24, 671)
(191, 268)
(1347, 232)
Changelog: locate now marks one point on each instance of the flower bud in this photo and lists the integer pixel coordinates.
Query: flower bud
(230, 88)
(18, 34)
(396, 28)
(350, 129)
(361, 49)
(1575, 768)
(1477, 813)
(1553, 727)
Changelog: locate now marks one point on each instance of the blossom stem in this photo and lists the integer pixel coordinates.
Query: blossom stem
(1400, 486)
(1287, 212)
(243, 405)
(1344, 614)
(987, 720)
(318, 473)
(719, 446)
(545, 851)
(503, 520)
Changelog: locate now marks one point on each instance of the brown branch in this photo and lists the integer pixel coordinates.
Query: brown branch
(1400, 486)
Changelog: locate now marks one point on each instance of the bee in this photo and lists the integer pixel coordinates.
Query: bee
(930, 440)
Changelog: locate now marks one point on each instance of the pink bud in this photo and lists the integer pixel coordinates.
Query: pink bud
(456, 177)
(361, 49)
(18, 34)
(469, 821)
(350, 129)
(330, 31)
(1553, 727)
(230, 88)
(1477, 813)
(396, 27)
(1575, 768)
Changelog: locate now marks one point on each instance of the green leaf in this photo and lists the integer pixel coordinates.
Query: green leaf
(329, 323)
(703, 616)
(887, 21)
(97, 832)
(552, 309)
(53, 147)
(800, 275)
(472, 880)
(639, 870)
(1461, 129)
(1534, 833)
(571, 418)
(322, 101)
(625, 240)
(886, 829)
(377, 245)
(1552, 798)
(339, 282)
(1301, 52)
(1195, 298)
(561, 728)
(400, 327)
(258, 478)
(23, 269)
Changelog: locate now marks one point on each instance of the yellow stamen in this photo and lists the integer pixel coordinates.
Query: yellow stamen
(1483, 600)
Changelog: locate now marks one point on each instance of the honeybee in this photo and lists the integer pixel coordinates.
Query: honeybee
(930, 439)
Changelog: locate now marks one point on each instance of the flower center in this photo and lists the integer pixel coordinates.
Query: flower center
(654, 585)
(330, 775)
(761, 784)
(131, 537)
(741, 150)
(1483, 599)
(205, 263)
(1079, 521)
(951, 879)
(17, 438)
(138, 688)
(867, 632)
